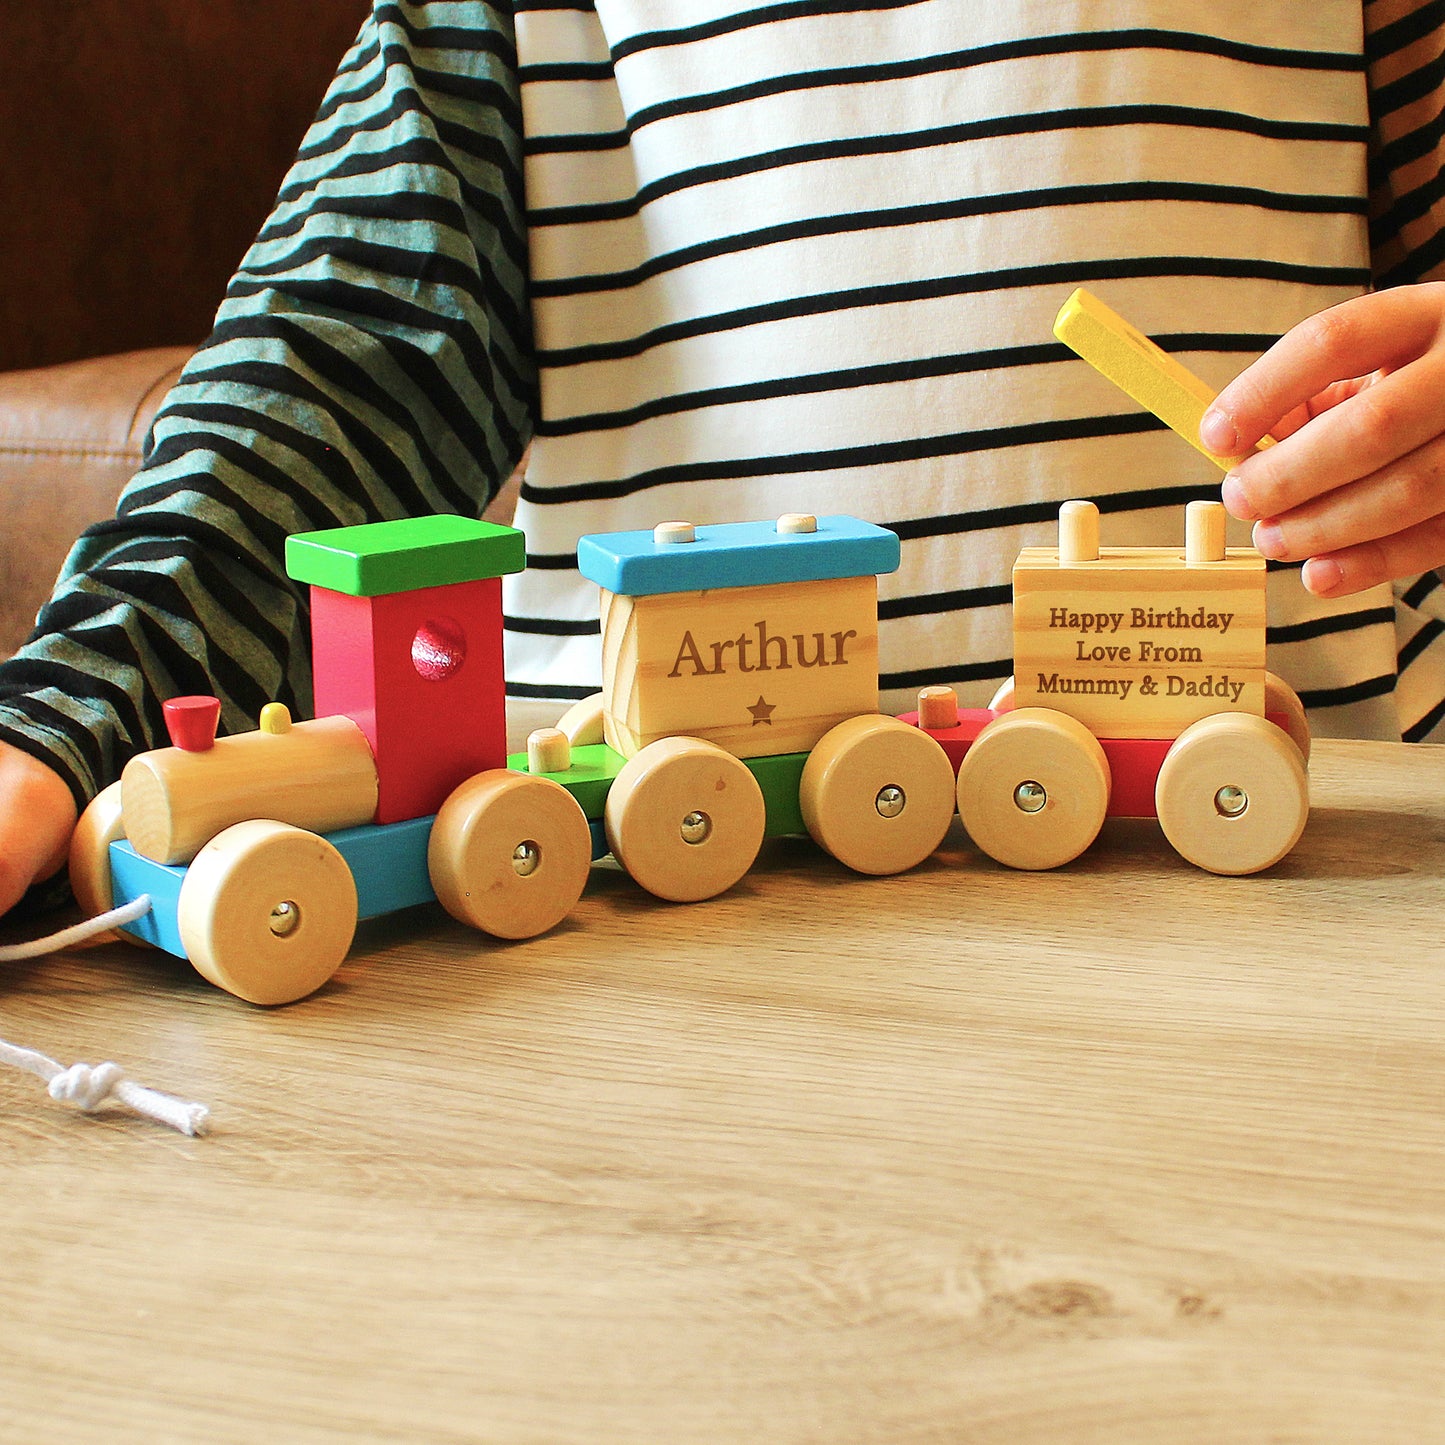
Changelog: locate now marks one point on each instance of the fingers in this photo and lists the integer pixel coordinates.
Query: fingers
(1397, 499)
(1384, 330)
(37, 817)
(1352, 569)
(1355, 484)
(1330, 397)
(1289, 424)
(1367, 432)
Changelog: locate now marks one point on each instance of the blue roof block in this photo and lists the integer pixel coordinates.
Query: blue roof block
(736, 554)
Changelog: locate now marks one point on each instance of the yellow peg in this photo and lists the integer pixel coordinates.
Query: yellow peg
(275, 719)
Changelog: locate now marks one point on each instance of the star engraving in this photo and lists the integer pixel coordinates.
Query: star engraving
(762, 711)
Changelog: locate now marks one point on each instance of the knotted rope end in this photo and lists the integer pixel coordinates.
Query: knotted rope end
(89, 1087)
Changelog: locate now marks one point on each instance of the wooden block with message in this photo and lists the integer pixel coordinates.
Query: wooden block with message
(755, 670)
(1139, 642)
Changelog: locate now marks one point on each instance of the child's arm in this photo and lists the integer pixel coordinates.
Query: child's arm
(372, 359)
(1356, 396)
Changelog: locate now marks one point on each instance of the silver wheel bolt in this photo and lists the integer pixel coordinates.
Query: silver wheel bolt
(891, 801)
(1030, 797)
(1230, 801)
(285, 919)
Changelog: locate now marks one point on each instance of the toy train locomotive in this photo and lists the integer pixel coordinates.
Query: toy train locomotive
(739, 701)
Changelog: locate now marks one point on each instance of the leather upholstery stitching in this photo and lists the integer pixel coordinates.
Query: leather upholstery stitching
(68, 449)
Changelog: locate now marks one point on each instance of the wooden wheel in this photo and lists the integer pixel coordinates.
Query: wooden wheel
(509, 853)
(582, 722)
(685, 819)
(877, 794)
(1003, 699)
(100, 825)
(1232, 795)
(1280, 697)
(1034, 788)
(267, 911)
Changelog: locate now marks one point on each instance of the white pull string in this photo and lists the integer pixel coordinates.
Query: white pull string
(90, 1086)
(78, 932)
(86, 1085)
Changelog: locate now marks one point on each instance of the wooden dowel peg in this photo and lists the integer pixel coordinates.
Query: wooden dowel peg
(797, 523)
(191, 722)
(1204, 524)
(548, 751)
(276, 719)
(1078, 533)
(937, 708)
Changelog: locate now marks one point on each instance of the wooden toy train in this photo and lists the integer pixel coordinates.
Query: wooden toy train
(739, 701)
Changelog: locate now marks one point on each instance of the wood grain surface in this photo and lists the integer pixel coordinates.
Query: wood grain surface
(1124, 1152)
(1138, 643)
(754, 669)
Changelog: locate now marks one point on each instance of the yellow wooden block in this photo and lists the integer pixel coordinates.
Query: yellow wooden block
(755, 670)
(1129, 359)
(1139, 644)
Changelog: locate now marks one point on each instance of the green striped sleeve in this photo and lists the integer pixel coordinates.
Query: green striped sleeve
(371, 360)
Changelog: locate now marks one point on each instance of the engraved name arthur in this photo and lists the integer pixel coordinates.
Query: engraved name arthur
(755, 649)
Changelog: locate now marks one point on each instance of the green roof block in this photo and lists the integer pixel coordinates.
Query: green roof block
(382, 557)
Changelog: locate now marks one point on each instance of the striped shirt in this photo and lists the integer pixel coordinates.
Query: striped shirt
(718, 260)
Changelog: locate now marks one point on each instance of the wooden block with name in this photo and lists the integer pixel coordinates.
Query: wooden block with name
(1139, 643)
(755, 670)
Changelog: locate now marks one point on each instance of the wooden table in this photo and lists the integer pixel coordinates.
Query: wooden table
(1125, 1152)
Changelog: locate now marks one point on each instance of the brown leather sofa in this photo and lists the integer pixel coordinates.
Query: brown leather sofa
(143, 147)
(70, 439)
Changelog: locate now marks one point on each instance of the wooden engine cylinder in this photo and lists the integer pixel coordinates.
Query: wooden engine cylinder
(318, 775)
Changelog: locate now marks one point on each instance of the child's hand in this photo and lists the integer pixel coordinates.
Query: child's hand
(1356, 400)
(37, 817)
